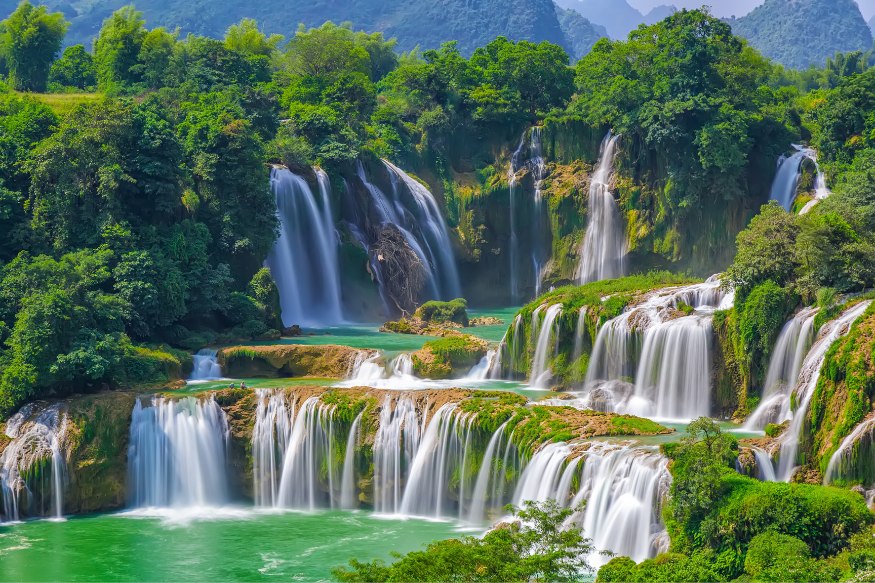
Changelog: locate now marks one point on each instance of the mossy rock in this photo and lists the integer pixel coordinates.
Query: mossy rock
(287, 360)
(449, 356)
(442, 312)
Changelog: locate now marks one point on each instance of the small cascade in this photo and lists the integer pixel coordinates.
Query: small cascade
(821, 192)
(293, 451)
(764, 464)
(674, 376)
(793, 343)
(395, 447)
(546, 344)
(206, 366)
(492, 485)
(604, 246)
(623, 487)
(348, 499)
(853, 460)
(177, 454)
(806, 384)
(33, 466)
(366, 368)
(786, 183)
(440, 460)
(432, 228)
(531, 144)
(303, 260)
(579, 331)
(654, 359)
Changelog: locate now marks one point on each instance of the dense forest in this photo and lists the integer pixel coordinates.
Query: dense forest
(138, 213)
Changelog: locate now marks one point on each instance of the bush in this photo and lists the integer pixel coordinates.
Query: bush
(452, 311)
(779, 557)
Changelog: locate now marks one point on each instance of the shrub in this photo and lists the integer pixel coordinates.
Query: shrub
(452, 311)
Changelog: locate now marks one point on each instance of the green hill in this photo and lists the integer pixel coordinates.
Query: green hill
(424, 23)
(580, 33)
(801, 33)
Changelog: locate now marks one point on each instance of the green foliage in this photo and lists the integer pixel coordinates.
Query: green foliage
(117, 49)
(779, 557)
(668, 567)
(75, 68)
(537, 545)
(760, 319)
(29, 41)
(437, 311)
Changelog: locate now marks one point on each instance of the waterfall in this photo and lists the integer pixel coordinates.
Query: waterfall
(293, 453)
(674, 376)
(652, 360)
(623, 487)
(367, 367)
(765, 467)
(434, 234)
(303, 260)
(786, 181)
(793, 343)
(347, 488)
(531, 144)
(604, 247)
(546, 344)
(440, 460)
(177, 454)
(492, 485)
(821, 191)
(853, 459)
(206, 366)
(807, 383)
(33, 466)
(395, 447)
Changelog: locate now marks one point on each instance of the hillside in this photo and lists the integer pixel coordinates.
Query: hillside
(801, 33)
(617, 16)
(580, 33)
(414, 23)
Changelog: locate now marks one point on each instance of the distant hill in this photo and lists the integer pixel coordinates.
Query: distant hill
(580, 33)
(801, 33)
(424, 23)
(617, 16)
(872, 24)
(659, 13)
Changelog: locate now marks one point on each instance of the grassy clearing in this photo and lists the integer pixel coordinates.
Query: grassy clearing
(63, 103)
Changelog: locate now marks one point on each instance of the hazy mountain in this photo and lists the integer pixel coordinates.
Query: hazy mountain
(426, 23)
(617, 16)
(872, 24)
(659, 13)
(800, 33)
(580, 33)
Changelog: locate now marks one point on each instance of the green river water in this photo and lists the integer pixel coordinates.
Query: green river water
(242, 545)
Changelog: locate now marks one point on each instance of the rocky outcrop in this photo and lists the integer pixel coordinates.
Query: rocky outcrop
(287, 361)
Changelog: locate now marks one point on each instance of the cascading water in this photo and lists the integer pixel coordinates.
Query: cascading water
(786, 181)
(793, 343)
(546, 344)
(655, 362)
(33, 466)
(623, 487)
(348, 498)
(206, 366)
(853, 460)
(395, 447)
(303, 260)
(806, 384)
(177, 454)
(604, 247)
(531, 144)
(440, 459)
(434, 233)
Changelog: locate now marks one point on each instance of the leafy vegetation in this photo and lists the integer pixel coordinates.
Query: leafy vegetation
(452, 311)
(536, 545)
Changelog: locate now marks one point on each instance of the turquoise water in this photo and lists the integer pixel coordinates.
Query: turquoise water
(243, 545)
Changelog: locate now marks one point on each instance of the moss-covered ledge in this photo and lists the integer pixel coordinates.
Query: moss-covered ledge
(287, 361)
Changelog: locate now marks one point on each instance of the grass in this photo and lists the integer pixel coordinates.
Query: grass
(63, 103)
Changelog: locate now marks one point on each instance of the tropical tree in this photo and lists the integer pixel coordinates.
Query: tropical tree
(29, 41)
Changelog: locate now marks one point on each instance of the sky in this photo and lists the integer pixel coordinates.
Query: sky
(731, 7)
